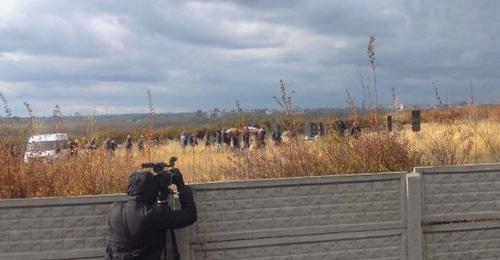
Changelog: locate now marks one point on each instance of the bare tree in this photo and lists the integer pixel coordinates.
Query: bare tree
(58, 119)
(34, 125)
(6, 107)
(286, 102)
(368, 80)
(439, 102)
(7, 110)
(352, 105)
(241, 113)
(395, 99)
(289, 109)
(371, 60)
(364, 86)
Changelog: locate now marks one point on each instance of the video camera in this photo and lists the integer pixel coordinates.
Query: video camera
(165, 177)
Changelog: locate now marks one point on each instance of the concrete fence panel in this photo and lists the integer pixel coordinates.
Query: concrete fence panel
(334, 217)
(54, 228)
(331, 217)
(433, 213)
(461, 211)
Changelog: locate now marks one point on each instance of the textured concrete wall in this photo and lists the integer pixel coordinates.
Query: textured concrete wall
(334, 217)
(54, 227)
(433, 213)
(339, 217)
(461, 212)
(476, 240)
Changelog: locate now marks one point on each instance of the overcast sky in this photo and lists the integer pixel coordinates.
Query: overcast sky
(104, 55)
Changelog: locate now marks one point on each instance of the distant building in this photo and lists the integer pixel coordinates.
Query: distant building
(214, 114)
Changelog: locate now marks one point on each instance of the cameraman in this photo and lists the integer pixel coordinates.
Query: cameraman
(137, 228)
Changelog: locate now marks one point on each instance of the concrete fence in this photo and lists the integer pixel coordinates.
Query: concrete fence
(461, 212)
(432, 213)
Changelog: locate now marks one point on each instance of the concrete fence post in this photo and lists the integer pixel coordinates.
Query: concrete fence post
(414, 216)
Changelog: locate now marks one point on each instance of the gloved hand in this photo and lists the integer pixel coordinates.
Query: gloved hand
(177, 178)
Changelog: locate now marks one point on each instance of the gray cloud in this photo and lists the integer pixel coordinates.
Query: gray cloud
(103, 55)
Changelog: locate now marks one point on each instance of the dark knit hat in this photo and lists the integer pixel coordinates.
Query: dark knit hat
(143, 186)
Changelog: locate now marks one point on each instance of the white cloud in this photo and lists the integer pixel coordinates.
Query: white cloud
(111, 30)
(205, 54)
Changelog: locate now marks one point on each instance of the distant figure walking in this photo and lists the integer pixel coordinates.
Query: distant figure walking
(246, 139)
(226, 139)
(219, 138)
(73, 148)
(341, 127)
(183, 140)
(92, 144)
(107, 144)
(277, 135)
(140, 144)
(206, 139)
(193, 141)
(235, 140)
(128, 144)
(113, 146)
(110, 145)
(156, 141)
(261, 138)
(355, 130)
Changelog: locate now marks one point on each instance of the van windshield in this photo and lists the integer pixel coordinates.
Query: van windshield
(47, 146)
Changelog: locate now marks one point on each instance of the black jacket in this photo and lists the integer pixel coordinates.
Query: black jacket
(143, 236)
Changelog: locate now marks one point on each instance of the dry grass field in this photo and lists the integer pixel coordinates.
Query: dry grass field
(441, 142)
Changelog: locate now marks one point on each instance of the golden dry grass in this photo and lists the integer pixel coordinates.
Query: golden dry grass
(98, 172)
(458, 142)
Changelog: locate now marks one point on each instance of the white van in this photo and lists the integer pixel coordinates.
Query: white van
(47, 146)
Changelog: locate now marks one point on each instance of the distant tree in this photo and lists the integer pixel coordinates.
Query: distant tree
(439, 102)
(290, 120)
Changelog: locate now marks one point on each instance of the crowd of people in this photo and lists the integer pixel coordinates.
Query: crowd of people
(354, 131)
(233, 138)
(230, 138)
(111, 145)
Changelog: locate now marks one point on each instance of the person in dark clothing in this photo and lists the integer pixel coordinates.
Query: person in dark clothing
(107, 144)
(137, 228)
(246, 138)
(128, 144)
(225, 138)
(355, 130)
(113, 146)
(261, 138)
(140, 144)
(73, 148)
(277, 136)
(219, 138)
(156, 141)
(92, 144)
(183, 139)
(193, 141)
(235, 140)
(341, 127)
(206, 139)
